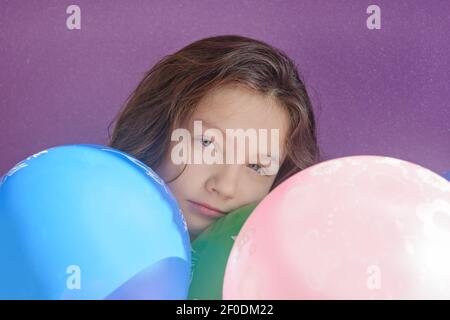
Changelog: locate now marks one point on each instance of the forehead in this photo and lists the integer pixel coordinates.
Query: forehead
(239, 107)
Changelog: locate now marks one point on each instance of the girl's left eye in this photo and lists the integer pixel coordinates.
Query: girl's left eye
(257, 168)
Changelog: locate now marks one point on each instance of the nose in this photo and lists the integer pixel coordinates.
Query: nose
(224, 180)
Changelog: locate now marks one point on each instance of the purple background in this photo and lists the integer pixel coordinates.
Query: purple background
(383, 92)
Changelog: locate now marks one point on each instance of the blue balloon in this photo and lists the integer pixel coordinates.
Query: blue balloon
(90, 222)
(446, 175)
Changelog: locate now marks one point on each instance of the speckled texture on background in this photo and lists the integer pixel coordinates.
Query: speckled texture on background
(377, 92)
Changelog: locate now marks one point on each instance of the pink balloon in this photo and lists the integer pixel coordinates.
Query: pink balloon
(362, 227)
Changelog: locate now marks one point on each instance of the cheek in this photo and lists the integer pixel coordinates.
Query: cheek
(167, 170)
(264, 189)
(187, 183)
(255, 189)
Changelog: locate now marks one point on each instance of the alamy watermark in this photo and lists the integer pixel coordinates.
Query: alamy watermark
(186, 153)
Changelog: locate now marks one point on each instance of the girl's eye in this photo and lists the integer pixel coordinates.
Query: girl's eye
(205, 141)
(257, 168)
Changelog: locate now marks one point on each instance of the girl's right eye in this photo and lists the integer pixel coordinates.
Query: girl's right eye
(205, 141)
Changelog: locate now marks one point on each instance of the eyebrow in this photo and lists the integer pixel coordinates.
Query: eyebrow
(213, 126)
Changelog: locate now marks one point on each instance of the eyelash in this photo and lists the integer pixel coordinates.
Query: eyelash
(262, 170)
(203, 138)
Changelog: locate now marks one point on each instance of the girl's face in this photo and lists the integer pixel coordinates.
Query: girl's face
(227, 186)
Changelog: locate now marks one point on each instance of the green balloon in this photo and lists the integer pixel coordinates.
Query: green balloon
(210, 251)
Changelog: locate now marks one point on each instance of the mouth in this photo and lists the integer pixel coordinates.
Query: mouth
(206, 210)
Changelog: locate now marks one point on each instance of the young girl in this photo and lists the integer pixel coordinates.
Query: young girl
(226, 82)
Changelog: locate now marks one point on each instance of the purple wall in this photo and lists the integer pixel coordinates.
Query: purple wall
(383, 92)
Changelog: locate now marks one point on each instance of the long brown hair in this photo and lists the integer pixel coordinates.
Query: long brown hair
(170, 91)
